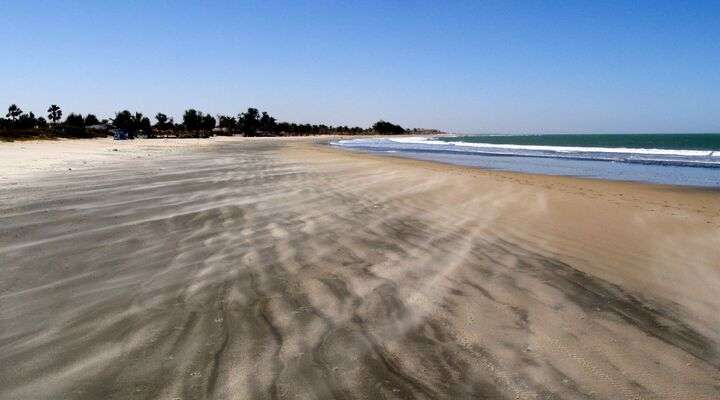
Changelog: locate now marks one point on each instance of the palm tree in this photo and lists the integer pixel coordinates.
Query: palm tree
(13, 112)
(161, 119)
(54, 113)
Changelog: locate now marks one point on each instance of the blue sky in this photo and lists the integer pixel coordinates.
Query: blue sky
(460, 66)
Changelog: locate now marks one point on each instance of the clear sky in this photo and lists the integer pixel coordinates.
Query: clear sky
(636, 66)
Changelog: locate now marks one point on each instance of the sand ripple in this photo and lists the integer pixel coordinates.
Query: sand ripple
(251, 271)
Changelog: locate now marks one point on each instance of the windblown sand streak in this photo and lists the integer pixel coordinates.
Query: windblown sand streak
(283, 269)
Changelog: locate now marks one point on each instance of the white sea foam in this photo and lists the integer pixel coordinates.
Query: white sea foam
(666, 166)
(561, 149)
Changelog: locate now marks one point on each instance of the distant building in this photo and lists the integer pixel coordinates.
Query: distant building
(99, 127)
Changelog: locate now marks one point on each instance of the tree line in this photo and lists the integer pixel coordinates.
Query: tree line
(194, 124)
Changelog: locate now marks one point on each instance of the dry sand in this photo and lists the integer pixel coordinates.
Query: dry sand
(236, 269)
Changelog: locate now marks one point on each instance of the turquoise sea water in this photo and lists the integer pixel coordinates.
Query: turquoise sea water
(676, 159)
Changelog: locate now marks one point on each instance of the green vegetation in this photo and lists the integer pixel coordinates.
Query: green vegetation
(91, 120)
(198, 123)
(386, 128)
(134, 124)
(13, 112)
(54, 113)
(21, 125)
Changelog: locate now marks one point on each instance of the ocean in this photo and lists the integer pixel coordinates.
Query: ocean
(675, 159)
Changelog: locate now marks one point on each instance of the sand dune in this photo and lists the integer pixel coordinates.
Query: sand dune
(285, 269)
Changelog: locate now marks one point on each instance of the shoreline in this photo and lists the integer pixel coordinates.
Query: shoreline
(658, 186)
(78, 156)
(644, 165)
(257, 266)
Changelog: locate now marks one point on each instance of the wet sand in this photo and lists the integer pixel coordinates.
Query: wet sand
(285, 269)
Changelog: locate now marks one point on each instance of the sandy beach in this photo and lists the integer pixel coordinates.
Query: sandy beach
(286, 269)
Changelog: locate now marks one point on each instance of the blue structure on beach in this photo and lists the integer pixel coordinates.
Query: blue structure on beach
(120, 134)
